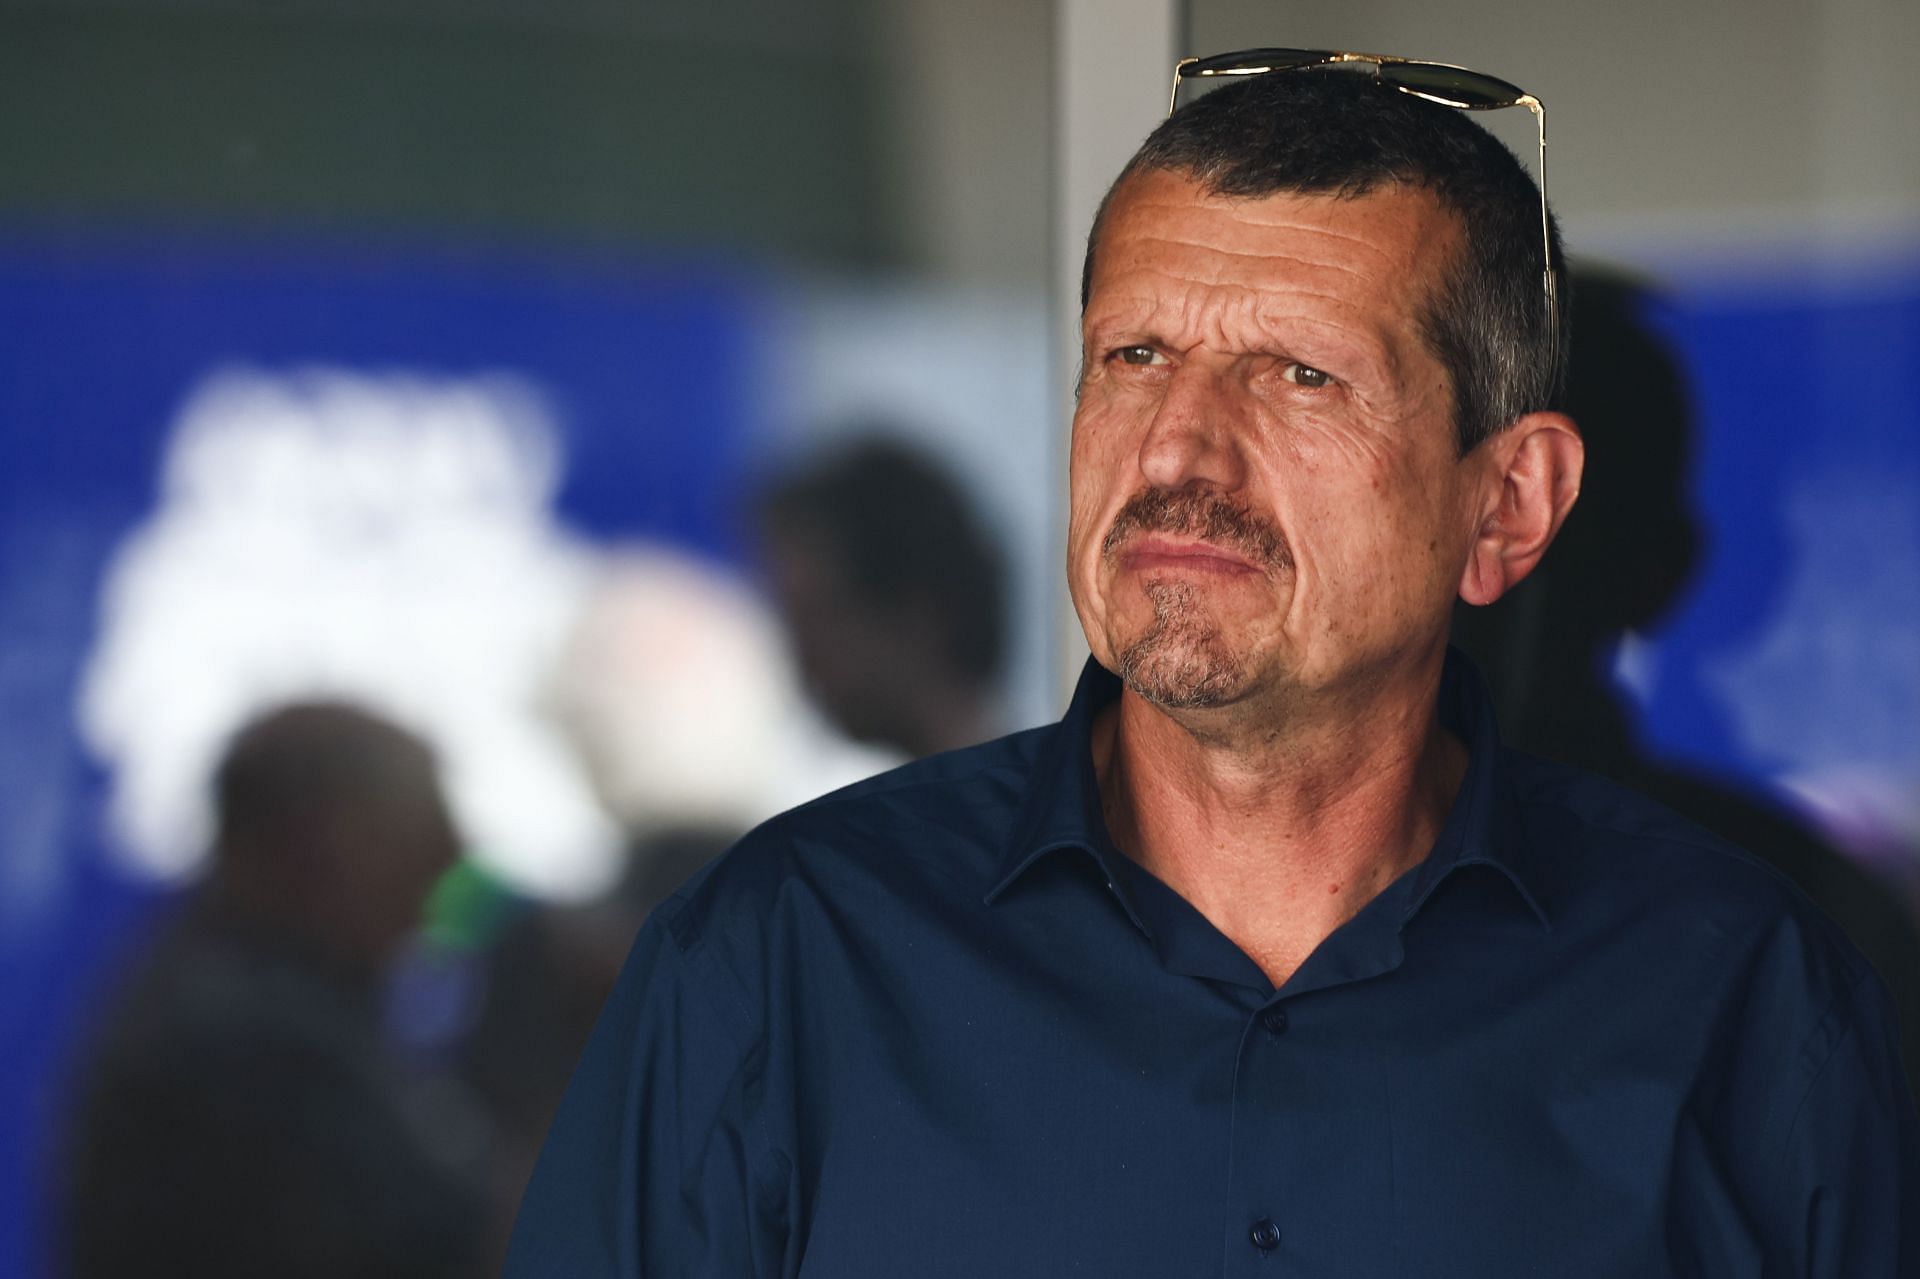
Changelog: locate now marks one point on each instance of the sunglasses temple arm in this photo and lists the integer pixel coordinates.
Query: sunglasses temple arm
(1546, 226)
(1179, 73)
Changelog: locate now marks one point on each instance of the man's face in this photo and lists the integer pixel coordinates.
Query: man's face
(1266, 491)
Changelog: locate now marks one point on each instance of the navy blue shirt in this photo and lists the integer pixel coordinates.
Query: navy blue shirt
(936, 1024)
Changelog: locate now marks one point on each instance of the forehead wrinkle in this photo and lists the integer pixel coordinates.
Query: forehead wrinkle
(1306, 213)
(1232, 304)
(1221, 292)
(1289, 274)
(1352, 346)
(1202, 249)
(1193, 266)
(1297, 212)
(1332, 230)
(1229, 293)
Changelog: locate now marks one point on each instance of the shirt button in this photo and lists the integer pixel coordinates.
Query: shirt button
(1265, 1235)
(1275, 1020)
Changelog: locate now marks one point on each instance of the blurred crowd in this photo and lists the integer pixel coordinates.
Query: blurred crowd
(340, 1051)
(339, 1054)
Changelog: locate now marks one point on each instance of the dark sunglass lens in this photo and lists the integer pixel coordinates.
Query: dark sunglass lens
(1252, 62)
(1461, 88)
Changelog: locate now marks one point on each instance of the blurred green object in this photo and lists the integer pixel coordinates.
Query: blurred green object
(467, 909)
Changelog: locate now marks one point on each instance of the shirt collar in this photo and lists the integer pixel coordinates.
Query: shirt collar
(1062, 809)
(1484, 827)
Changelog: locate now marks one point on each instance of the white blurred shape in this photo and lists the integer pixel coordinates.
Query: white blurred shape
(679, 691)
(1636, 667)
(381, 538)
(1831, 687)
(1834, 679)
(1873, 812)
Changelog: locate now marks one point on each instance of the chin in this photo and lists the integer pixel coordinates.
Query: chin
(1181, 661)
(1181, 684)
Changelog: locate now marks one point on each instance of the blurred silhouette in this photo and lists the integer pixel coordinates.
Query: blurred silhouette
(893, 595)
(241, 1113)
(676, 690)
(1622, 561)
(546, 979)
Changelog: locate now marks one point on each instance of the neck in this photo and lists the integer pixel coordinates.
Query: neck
(1280, 832)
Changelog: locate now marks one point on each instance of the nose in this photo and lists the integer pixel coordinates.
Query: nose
(1193, 435)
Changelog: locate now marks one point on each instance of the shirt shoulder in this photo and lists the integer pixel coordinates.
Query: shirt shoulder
(927, 832)
(1719, 953)
(1605, 843)
(1708, 928)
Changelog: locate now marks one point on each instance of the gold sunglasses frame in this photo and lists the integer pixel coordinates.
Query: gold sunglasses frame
(1249, 62)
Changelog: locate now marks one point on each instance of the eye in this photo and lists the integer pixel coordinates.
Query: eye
(1305, 375)
(1140, 355)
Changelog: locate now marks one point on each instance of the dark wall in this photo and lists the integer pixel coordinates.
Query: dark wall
(739, 124)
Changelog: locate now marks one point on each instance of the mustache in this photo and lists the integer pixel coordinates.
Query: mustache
(1202, 514)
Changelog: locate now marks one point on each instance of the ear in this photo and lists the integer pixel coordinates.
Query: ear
(1533, 478)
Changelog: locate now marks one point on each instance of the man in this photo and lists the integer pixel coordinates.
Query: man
(1266, 960)
(892, 593)
(242, 1113)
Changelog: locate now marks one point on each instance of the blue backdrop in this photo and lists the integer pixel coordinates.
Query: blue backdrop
(650, 369)
(1797, 649)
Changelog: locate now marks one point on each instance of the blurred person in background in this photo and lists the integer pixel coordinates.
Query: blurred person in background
(545, 979)
(1621, 563)
(893, 594)
(676, 692)
(241, 1112)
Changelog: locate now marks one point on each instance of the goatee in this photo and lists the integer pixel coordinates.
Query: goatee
(1182, 662)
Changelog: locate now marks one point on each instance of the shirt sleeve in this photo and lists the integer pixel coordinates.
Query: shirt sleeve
(1852, 1168)
(655, 1164)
